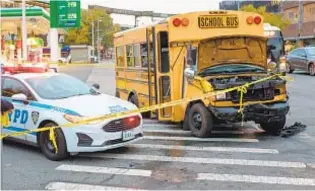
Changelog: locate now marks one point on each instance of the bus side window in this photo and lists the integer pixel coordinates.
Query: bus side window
(120, 56)
(136, 54)
(144, 55)
(164, 52)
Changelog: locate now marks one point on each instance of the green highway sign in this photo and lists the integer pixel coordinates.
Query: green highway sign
(65, 13)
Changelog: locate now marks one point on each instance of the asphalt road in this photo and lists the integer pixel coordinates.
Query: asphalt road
(244, 158)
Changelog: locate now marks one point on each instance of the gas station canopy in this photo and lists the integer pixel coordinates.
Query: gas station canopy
(38, 20)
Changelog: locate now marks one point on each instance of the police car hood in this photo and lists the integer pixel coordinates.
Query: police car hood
(93, 105)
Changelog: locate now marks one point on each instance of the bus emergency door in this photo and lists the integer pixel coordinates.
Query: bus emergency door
(162, 70)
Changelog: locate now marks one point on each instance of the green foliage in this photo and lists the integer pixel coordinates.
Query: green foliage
(271, 18)
(83, 35)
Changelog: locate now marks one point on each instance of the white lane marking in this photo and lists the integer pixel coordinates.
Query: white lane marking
(105, 170)
(198, 148)
(256, 179)
(160, 125)
(169, 138)
(311, 165)
(76, 186)
(201, 160)
(179, 132)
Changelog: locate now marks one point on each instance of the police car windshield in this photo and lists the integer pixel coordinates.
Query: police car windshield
(59, 86)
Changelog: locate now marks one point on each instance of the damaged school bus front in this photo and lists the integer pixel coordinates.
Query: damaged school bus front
(229, 62)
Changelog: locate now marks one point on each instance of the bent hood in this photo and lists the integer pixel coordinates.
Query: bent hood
(228, 50)
(93, 105)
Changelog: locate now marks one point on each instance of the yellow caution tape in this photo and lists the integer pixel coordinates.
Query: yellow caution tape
(242, 89)
(52, 138)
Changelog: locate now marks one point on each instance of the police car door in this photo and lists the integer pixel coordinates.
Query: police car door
(20, 115)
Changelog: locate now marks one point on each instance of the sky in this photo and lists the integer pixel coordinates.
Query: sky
(161, 6)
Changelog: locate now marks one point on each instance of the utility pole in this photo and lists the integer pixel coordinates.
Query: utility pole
(300, 22)
(24, 32)
(93, 51)
(98, 41)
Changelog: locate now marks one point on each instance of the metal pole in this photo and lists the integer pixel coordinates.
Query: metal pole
(93, 45)
(0, 39)
(300, 22)
(98, 41)
(24, 32)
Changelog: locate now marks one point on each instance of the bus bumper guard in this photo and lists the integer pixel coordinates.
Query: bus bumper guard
(254, 112)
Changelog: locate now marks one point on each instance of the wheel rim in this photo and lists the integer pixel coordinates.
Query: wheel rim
(49, 145)
(197, 120)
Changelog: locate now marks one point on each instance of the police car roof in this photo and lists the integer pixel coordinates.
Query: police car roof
(30, 75)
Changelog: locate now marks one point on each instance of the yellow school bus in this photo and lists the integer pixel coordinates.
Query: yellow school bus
(190, 54)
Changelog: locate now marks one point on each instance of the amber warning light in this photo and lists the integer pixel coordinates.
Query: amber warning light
(180, 22)
(250, 20)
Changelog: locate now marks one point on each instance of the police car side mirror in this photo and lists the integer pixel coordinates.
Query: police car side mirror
(97, 86)
(20, 97)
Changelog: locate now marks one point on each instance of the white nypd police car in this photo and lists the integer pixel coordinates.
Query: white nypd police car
(50, 99)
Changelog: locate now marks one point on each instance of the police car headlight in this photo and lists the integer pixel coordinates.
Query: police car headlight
(73, 118)
(220, 96)
(79, 119)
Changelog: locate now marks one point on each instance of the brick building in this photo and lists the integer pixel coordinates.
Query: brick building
(290, 10)
(271, 6)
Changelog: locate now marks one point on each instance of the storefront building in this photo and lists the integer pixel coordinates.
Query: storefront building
(290, 11)
(40, 37)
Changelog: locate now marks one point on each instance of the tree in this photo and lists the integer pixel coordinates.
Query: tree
(271, 18)
(83, 34)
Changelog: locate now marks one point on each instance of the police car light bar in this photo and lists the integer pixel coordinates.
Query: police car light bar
(25, 69)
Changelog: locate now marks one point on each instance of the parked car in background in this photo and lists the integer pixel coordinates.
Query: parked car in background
(301, 59)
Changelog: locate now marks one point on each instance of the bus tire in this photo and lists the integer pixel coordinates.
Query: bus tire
(274, 128)
(133, 99)
(47, 147)
(200, 120)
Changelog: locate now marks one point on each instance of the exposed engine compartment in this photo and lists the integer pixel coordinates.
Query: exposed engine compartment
(265, 90)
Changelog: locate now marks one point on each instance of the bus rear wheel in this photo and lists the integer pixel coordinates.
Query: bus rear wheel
(200, 120)
(133, 99)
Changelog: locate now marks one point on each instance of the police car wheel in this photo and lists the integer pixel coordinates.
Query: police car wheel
(274, 128)
(47, 147)
(200, 120)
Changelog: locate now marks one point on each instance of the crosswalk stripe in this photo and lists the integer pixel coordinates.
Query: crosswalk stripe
(171, 138)
(105, 170)
(256, 179)
(201, 160)
(76, 186)
(200, 148)
(179, 132)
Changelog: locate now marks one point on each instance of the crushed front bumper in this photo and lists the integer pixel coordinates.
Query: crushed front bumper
(254, 112)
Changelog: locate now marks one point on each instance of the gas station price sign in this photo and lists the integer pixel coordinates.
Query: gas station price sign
(65, 13)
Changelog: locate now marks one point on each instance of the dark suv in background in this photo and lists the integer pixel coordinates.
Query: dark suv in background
(301, 59)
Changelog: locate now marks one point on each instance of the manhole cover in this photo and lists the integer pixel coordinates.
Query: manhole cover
(173, 175)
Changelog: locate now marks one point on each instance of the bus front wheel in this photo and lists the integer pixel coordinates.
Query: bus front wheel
(200, 120)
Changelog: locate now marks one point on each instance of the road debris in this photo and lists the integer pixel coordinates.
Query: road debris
(297, 127)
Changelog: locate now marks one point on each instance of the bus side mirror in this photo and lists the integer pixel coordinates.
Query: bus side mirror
(189, 73)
